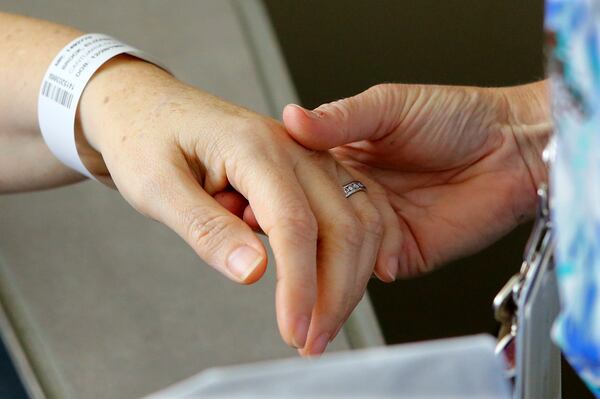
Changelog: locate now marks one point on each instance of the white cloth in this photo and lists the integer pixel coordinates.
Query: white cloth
(450, 368)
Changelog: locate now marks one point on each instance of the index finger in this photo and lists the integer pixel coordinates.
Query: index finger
(283, 212)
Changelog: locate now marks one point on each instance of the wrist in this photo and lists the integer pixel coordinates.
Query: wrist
(530, 120)
(116, 93)
(121, 88)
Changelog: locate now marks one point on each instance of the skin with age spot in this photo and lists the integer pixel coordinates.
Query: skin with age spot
(447, 169)
(175, 153)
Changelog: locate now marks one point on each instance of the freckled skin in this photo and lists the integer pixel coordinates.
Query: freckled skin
(209, 170)
(194, 162)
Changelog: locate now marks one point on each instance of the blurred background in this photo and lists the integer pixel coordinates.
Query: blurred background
(125, 308)
(338, 48)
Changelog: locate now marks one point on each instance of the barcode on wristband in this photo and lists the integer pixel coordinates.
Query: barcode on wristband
(57, 94)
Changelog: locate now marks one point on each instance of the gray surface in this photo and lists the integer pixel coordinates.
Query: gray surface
(538, 373)
(463, 367)
(111, 305)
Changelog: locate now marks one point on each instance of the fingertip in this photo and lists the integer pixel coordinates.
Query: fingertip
(256, 274)
(294, 324)
(293, 329)
(293, 115)
(304, 126)
(301, 331)
(386, 268)
(247, 264)
(381, 276)
(294, 119)
(392, 267)
(318, 346)
(303, 352)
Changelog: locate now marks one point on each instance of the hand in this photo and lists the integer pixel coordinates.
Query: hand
(455, 168)
(179, 155)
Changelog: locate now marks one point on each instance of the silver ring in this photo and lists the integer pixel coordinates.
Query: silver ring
(353, 187)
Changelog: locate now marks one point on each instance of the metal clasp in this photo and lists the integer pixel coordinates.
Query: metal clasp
(507, 300)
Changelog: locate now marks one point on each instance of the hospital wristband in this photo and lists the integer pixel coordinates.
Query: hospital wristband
(63, 85)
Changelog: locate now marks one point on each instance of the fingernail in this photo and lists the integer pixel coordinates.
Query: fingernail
(318, 347)
(308, 113)
(392, 267)
(300, 332)
(242, 262)
(377, 276)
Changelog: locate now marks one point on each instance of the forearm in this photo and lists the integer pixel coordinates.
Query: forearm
(27, 47)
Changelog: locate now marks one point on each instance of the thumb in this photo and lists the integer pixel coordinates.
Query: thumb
(369, 115)
(218, 236)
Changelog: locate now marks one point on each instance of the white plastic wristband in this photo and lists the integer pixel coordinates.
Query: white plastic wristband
(62, 86)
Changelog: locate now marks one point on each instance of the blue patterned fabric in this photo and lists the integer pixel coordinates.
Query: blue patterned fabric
(573, 33)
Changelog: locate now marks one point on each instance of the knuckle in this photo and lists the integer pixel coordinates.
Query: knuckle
(381, 95)
(247, 130)
(384, 92)
(251, 125)
(351, 230)
(381, 88)
(304, 224)
(255, 143)
(205, 228)
(247, 150)
(255, 129)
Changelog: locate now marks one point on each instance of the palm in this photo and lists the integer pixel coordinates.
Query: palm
(450, 171)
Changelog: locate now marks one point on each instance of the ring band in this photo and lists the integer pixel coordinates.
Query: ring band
(353, 187)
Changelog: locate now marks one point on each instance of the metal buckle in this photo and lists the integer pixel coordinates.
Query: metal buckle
(507, 299)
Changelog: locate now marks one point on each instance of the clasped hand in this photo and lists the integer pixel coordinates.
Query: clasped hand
(434, 161)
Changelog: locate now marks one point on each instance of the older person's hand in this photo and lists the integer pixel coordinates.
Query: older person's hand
(451, 168)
